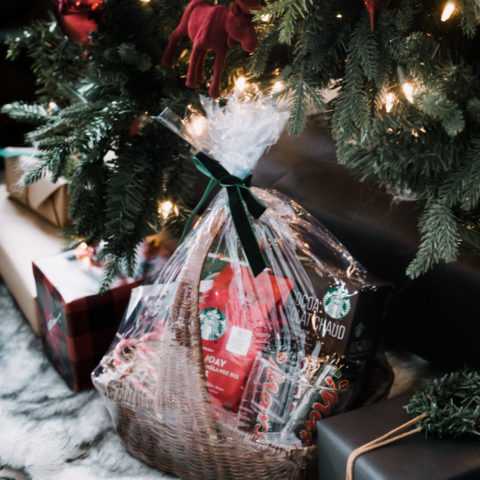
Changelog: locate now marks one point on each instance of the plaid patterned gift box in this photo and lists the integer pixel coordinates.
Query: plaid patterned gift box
(77, 323)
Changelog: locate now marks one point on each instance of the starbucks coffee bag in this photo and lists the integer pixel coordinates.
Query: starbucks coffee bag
(237, 316)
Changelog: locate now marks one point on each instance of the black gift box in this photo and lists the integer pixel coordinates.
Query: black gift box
(411, 458)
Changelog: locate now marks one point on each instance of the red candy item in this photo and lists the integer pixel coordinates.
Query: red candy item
(238, 316)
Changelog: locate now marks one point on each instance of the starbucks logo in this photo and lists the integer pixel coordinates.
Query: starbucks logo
(213, 323)
(337, 302)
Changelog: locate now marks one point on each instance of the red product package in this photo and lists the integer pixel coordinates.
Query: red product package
(238, 316)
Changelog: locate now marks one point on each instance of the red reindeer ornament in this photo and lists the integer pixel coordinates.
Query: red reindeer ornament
(213, 27)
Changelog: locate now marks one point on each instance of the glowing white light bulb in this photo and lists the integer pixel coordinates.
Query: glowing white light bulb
(277, 86)
(145, 1)
(389, 99)
(198, 125)
(266, 17)
(339, 15)
(240, 83)
(52, 106)
(448, 10)
(166, 208)
(408, 91)
(81, 250)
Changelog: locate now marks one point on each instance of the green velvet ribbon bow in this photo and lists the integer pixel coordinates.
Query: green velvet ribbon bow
(239, 196)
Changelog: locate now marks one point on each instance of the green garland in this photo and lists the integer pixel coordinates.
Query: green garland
(451, 404)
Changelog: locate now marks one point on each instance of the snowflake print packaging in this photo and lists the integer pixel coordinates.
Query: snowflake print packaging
(261, 323)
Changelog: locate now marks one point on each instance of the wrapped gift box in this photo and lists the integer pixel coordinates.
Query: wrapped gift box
(412, 458)
(77, 323)
(23, 237)
(47, 199)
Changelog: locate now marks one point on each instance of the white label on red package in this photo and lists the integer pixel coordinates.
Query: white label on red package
(239, 340)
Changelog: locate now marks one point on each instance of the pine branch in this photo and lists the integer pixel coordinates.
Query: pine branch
(470, 17)
(298, 117)
(87, 200)
(439, 234)
(57, 161)
(363, 49)
(315, 96)
(111, 269)
(34, 114)
(289, 12)
(461, 187)
(470, 188)
(55, 59)
(439, 108)
(131, 56)
(473, 110)
(259, 59)
(452, 405)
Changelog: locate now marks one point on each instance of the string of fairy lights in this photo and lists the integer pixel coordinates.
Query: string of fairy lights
(407, 86)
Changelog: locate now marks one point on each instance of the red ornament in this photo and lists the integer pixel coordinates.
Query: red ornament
(373, 6)
(78, 17)
(217, 28)
(138, 123)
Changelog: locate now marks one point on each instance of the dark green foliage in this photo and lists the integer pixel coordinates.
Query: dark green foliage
(426, 147)
(28, 113)
(56, 62)
(103, 89)
(452, 405)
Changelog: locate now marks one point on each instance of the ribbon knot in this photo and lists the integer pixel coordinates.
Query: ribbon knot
(231, 181)
(239, 197)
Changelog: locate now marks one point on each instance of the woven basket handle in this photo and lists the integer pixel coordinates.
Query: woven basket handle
(184, 315)
(184, 323)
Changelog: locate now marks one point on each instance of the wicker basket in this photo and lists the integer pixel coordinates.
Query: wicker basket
(174, 430)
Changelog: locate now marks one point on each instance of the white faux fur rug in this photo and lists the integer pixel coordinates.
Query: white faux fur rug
(46, 431)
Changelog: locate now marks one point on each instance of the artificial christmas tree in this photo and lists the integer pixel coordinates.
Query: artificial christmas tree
(406, 113)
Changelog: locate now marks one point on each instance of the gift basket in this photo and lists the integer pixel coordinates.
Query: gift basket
(260, 325)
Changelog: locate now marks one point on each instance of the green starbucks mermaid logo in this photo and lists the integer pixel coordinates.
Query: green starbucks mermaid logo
(336, 302)
(213, 323)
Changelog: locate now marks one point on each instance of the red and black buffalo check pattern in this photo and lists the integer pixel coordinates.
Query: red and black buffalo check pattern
(77, 334)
